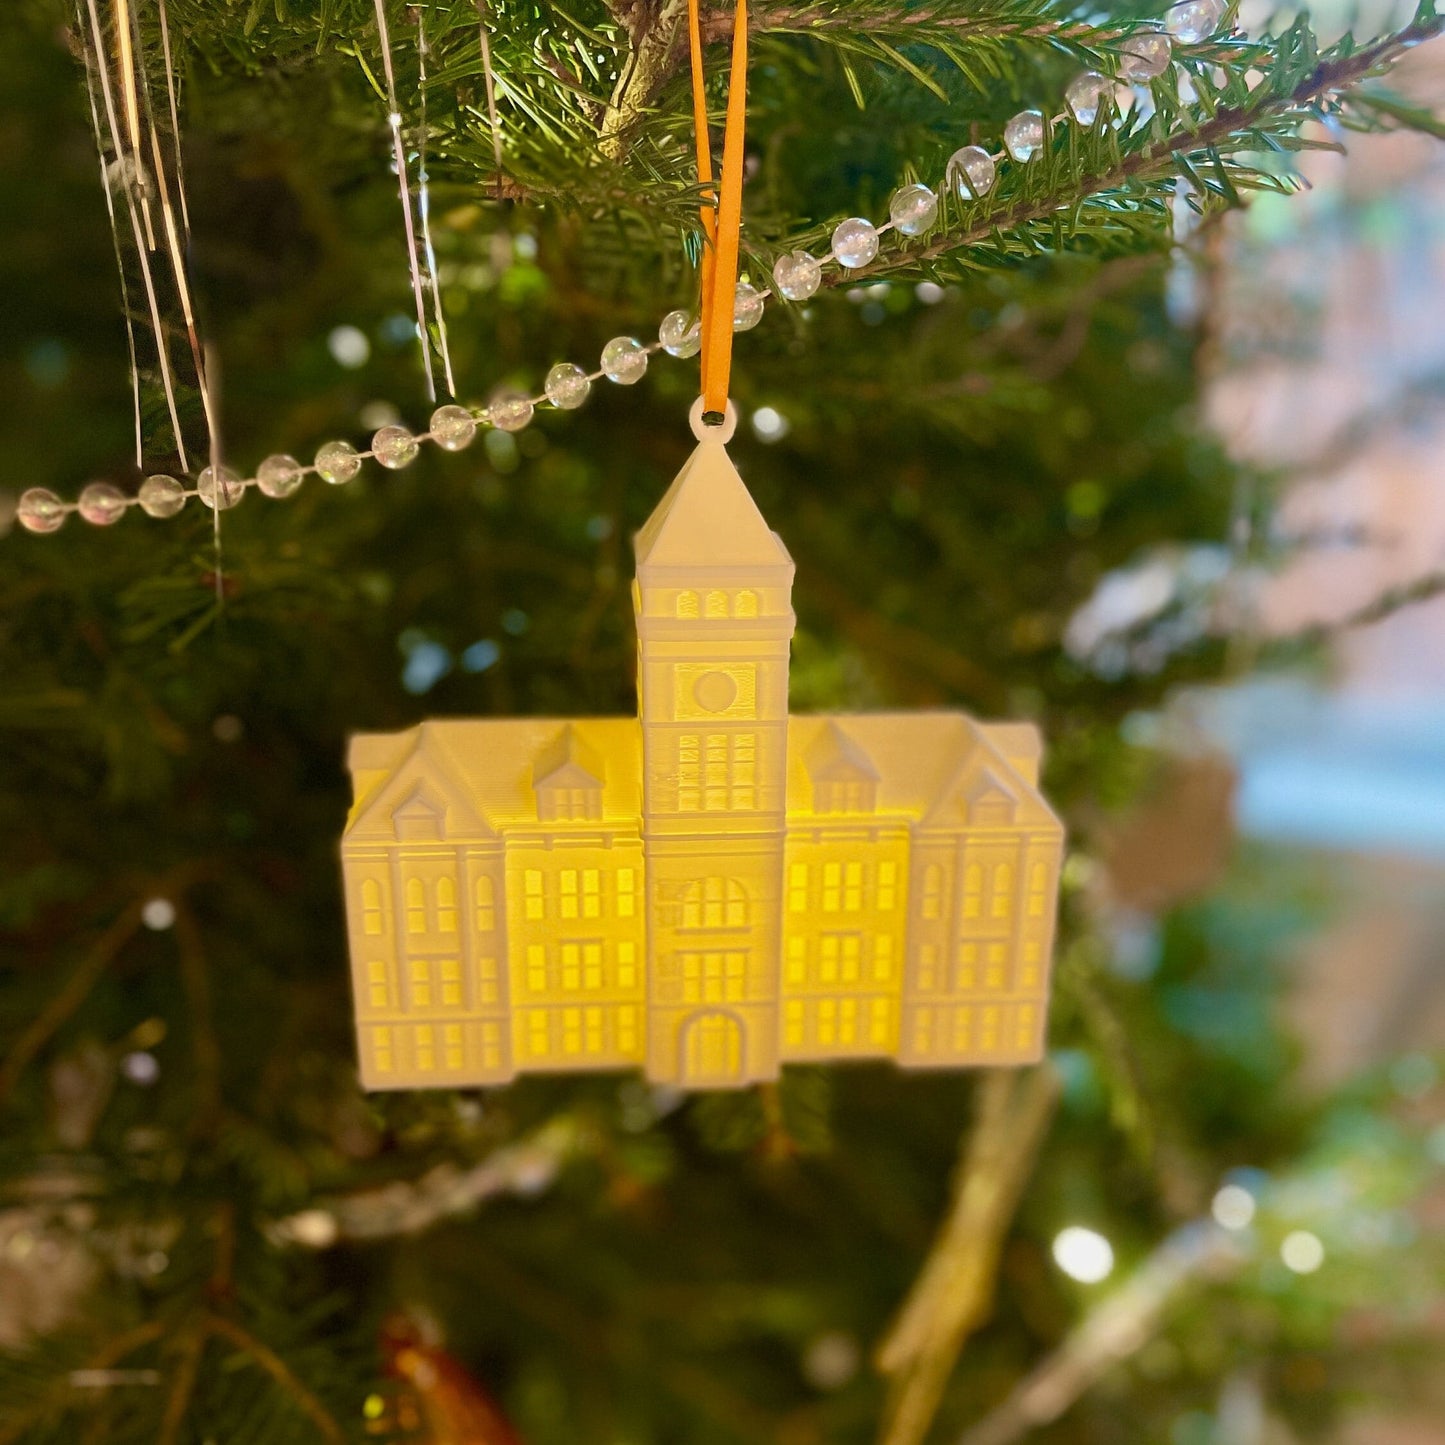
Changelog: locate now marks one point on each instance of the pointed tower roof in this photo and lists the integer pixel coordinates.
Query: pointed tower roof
(708, 518)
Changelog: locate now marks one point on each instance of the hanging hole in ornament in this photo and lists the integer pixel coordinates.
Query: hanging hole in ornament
(712, 426)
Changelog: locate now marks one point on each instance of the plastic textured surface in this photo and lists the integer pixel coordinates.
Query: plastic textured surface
(713, 888)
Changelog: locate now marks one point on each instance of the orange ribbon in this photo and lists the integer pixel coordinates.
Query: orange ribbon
(722, 208)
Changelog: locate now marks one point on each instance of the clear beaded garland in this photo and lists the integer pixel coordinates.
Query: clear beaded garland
(101, 504)
(681, 335)
(220, 488)
(855, 242)
(567, 386)
(161, 496)
(279, 476)
(40, 510)
(337, 462)
(453, 427)
(797, 275)
(913, 209)
(624, 360)
(394, 447)
(971, 172)
(509, 409)
(1023, 136)
(747, 307)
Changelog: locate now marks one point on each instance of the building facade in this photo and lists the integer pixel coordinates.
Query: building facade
(709, 890)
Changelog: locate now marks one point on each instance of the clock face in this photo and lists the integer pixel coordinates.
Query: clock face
(714, 692)
(704, 690)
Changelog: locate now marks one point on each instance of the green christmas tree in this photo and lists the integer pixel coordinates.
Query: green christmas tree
(210, 1234)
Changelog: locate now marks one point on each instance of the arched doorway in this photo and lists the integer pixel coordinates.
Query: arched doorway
(712, 1050)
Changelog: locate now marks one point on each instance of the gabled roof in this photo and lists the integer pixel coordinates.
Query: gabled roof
(708, 518)
(835, 758)
(568, 762)
(409, 775)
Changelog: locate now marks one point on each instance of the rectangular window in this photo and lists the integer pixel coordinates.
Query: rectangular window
(572, 1031)
(798, 888)
(923, 1031)
(376, 984)
(491, 1046)
(426, 1056)
(592, 965)
(626, 964)
(828, 958)
(371, 907)
(626, 1029)
(968, 965)
(928, 966)
(832, 876)
(446, 906)
(852, 887)
(420, 983)
(381, 1050)
(689, 773)
(537, 968)
(887, 886)
(852, 947)
(486, 905)
(538, 1040)
(452, 1038)
(933, 891)
(878, 1023)
(1025, 1026)
(827, 1020)
(793, 1022)
(488, 987)
(848, 1021)
(534, 893)
(988, 1029)
(416, 906)
(626, 892)
(715, 773)
(591, 893)
(571, 967)
(962, 1029)
(797, 958)
(883, 958)
(736, 965)
(451, 982)
(593, 1018)
(569, 893)
(994, 974)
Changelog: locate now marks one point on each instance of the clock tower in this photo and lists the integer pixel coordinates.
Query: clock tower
(713, 599)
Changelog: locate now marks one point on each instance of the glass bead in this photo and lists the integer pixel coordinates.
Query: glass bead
(40, 510)
(1195, 20)
(747, 307)
(278, 476)
(912, 209)
(101, 504)
(1023, 136)
(161, 496)
(971, 172)
(394, 447)
(509, 409)
(453, 427)
(567, 386)
(797, 275)
(1087, 94)
(855, 242)
(337, 462)
(1143, 56)
(680, 334)
(624, 360)
(221, 488)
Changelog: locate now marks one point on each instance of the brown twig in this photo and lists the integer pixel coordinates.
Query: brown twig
(280, 1372)
(205, 1050)
(954, 1291)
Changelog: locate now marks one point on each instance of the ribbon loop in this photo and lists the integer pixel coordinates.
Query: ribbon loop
(722, 208)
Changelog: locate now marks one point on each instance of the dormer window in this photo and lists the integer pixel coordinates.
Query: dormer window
(568, 781)
(846, 795)
(568, 805)
(844, 778)
(990, 804)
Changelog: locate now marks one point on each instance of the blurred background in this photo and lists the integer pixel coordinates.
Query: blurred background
(1184, 508)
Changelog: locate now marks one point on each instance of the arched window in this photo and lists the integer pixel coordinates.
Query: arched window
(687, 604)
(715, 903)
(371, 906)
(932, 891)
(717, 604)
(446, 906)
(747, 604)
(1003, 884)
(416, 906)
(486, 904)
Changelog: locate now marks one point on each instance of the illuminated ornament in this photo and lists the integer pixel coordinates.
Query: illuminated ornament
(713, 888)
